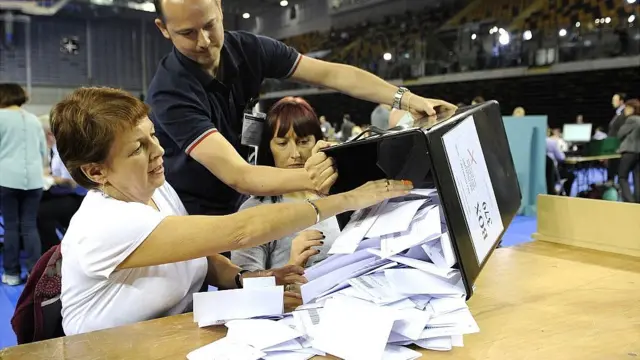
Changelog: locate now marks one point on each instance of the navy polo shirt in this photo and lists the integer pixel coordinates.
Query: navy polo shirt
(187, 105)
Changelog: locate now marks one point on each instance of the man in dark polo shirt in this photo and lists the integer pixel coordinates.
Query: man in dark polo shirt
(202, 87)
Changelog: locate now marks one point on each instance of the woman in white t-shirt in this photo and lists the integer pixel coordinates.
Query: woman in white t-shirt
(130, 253)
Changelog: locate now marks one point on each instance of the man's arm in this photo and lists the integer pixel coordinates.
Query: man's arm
(362, 85)
(183, 117)
(219, 157)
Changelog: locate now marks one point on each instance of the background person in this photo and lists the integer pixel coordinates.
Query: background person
(23, 154)
(202, 87)
(291, 133)
(629, 135)
(617, 101)
(116, 269)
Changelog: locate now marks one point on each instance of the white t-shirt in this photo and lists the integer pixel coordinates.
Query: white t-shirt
(102, 234)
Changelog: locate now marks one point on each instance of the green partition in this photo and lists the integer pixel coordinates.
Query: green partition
(527, 140)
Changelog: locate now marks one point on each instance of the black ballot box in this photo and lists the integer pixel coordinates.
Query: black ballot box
(465, 156)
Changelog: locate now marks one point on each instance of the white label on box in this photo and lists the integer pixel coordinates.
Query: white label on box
(473, 183)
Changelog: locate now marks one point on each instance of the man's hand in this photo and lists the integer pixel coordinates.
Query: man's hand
(302, 247)
(320, 169)
(421, 107)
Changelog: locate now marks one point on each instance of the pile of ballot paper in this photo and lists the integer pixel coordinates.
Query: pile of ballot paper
(388, 283)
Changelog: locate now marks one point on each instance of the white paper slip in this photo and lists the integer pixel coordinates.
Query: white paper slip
(417, 282)
(460, 329)
(457, 341)
(354, 329)
(214, 308)
(307, 321)
(361, 221)
(287, 355)
(402, 304)
(333, 263)
(452, 319)
(417, 264)
(261, 334)
(441, 306)
(225, 349)
(291, 345)
(316, 287)
(421, 301)
(376, 287)
(411, 322)
(424, 227)
(395, 352)
(437, 344)
(474, 187)
(393, 217)
(440, 252)
(258, 282)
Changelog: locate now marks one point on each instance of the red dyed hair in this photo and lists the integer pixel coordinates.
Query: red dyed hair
(286, 114)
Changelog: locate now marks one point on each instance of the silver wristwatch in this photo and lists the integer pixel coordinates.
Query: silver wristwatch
(397, 98)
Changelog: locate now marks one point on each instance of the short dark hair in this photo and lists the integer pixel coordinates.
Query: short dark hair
(86, 123)
(160, 14)
(12, 94)
(289, 112)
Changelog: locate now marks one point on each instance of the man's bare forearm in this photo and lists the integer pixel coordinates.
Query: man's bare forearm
(272, 181)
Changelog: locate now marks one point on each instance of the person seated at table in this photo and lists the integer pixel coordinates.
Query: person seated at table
(131, 253)
(555, 170)
(629, 135)
(291, 132)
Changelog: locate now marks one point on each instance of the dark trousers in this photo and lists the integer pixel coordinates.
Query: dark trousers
(612, 169)
(628, 165)
(55, 213)
(552, 177)
(19, 211)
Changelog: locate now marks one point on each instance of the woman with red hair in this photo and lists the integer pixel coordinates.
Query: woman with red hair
(288, 139)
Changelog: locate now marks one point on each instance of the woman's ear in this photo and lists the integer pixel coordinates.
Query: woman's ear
(95, 172)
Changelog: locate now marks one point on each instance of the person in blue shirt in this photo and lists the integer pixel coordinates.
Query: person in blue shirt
(23, 153)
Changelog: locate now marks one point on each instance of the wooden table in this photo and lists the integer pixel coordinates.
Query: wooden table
(534, 301)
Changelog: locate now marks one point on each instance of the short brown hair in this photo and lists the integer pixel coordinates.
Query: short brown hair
(86, 123)
(12, 95)
(634, 104)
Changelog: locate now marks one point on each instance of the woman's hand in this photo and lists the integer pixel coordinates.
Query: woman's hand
(286, 275)
(302, 246)
(374, 192)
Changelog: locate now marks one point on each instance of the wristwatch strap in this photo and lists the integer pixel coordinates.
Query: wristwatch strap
(397, 98)
(239, 278)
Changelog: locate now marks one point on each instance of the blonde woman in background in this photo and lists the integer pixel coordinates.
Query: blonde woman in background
(518, 112)
(23, 153)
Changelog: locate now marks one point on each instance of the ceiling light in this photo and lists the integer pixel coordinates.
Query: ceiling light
(284, 3)
(246, 15)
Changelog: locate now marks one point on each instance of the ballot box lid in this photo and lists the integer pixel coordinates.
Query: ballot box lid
(465, 156)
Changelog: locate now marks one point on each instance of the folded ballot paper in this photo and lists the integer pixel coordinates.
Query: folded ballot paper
(389, 284)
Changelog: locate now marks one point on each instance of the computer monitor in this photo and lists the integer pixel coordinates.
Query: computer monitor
(577, 133)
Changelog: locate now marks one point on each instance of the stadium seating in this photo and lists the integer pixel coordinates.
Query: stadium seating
(497, 11)
(564, 14)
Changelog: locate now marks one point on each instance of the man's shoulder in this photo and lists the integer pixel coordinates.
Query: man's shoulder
(170, 77)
